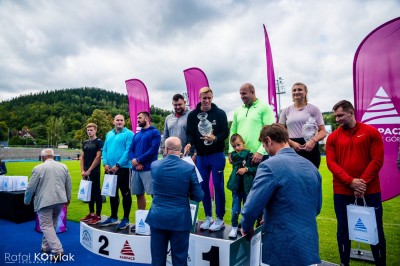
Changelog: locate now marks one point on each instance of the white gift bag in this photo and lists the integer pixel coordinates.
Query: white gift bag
(188, 159)
(142, 228)
(21, 183)
(362, 223)
(85, 190)
(109, 185)
(7, 183)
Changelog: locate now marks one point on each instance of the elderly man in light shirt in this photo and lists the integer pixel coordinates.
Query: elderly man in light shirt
(50, 185)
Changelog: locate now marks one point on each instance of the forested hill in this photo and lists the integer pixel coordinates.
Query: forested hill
(67, 110)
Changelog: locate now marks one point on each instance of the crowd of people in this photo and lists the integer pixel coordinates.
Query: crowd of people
(274, 179)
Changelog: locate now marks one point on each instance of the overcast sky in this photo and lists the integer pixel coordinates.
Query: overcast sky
(50, 45)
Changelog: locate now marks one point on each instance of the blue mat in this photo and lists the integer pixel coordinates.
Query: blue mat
(20, 242)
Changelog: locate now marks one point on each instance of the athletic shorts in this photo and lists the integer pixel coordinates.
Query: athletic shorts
(141, 182)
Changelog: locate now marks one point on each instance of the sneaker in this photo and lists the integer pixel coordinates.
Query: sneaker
(217, 225)
(233, 233)
(109, 221)
(87, 218)
(123, 224)
(43, 250)
(206, 224)
(95, 219)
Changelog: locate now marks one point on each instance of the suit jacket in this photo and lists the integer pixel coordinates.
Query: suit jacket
(174, 182)
(288, 188)
(50, 182)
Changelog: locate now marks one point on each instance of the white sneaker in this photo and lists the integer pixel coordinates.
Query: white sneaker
(217, 225)
(206, 224)
(233, 233)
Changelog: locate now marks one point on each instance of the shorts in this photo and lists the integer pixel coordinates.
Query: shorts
(141, 182)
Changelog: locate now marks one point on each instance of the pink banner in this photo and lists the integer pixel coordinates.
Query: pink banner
(271, 76)
(195, 80)
(376, 80)
(138, 100)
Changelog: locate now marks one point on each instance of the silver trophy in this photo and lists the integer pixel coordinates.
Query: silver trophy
(205, 127)
(309, 129)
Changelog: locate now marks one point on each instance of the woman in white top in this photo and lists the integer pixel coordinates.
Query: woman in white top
(300, 115)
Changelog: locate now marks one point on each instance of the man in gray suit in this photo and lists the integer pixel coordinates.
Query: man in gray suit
(288, 188)
(51, 184)
(174, 183)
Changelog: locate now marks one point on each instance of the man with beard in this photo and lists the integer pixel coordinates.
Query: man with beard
(176, 123)
(115, 161)
(354, 154)
(143, 151)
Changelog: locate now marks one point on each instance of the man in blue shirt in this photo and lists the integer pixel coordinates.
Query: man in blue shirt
(143, 151)
(115, 161)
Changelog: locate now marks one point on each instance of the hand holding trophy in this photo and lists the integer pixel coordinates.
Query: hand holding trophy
(205, 127)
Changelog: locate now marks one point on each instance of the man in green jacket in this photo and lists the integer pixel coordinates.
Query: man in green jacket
(248, 120)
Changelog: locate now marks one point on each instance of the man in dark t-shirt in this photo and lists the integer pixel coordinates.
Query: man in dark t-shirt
(90, 168)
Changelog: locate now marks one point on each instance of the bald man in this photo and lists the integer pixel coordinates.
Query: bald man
(248, 120)
(115, 161)
(174, 183)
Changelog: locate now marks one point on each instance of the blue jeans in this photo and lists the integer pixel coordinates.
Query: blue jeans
(215, 164)
(237, 200)
(344, 244)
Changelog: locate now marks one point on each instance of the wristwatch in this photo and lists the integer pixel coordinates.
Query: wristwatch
(117, 165)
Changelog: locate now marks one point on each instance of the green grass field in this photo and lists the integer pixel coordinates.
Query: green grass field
(326, 220)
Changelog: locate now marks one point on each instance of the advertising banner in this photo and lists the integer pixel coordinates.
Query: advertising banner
(376, 80)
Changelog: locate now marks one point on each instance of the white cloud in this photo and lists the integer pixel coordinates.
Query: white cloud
(64, 44)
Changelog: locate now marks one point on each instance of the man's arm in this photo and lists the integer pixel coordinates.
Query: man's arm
(164, 136)
(125, 156)
(81, 163)
(68, 185)
(223, 133)
(267, 118)
(95, 163)
(155, 145)
(32, 185)
(263, 188)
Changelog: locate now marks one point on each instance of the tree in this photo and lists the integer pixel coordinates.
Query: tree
(104, 124)
(55, 130)
(3, 131)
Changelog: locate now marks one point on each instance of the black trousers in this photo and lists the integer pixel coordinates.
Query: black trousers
(313, 156)
(122, 185)
(344, 244)
(96, 193)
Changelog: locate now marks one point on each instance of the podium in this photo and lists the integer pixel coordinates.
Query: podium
(205, 247)
(12, 207)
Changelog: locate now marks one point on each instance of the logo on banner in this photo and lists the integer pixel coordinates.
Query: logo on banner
(87, 239)
(381, 110)
(360, 226)
(127, 252)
